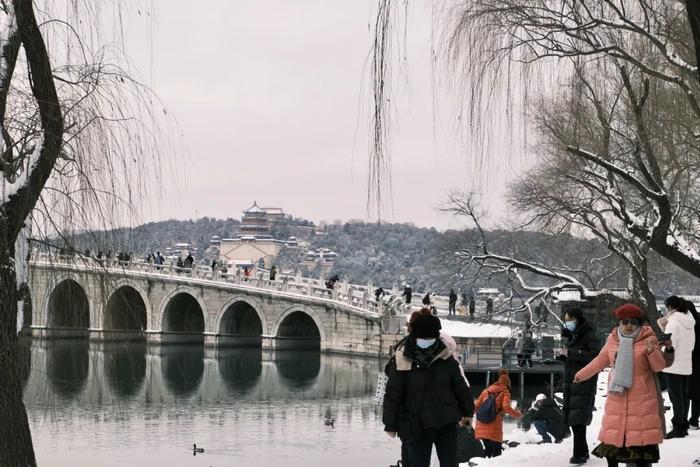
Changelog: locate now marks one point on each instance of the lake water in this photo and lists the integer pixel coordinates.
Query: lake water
(131, 405)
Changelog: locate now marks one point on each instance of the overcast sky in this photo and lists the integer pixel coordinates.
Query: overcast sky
(272, 100)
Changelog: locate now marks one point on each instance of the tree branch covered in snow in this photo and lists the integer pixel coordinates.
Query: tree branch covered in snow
(524, 294)
(81, 145)
(628, 76)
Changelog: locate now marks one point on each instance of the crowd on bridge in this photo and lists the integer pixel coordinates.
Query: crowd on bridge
(428, 400)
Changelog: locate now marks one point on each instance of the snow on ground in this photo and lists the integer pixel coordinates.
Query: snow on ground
(476, 329)
(674, 452)
(462, 329)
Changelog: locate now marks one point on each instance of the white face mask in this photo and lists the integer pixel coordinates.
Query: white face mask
(425, 343)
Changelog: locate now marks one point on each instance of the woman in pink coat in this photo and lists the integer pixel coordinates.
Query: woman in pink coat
(632, 426)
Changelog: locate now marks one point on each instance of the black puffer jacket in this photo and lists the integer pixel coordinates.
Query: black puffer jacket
(424, 395)
(694, 392)
(579, 398)
(548, 411)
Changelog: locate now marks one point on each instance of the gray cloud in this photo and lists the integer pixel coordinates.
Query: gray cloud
(272, 98)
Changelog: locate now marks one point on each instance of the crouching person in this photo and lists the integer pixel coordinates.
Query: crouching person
(547, 419)
(426, 396)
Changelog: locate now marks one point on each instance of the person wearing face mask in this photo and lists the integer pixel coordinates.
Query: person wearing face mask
(446, 339)
(426, 396)
(580, 347)
(632, 427)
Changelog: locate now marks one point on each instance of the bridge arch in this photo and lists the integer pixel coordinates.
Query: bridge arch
(67, 304)
(241, 315)
(183, 310)
(127, 308)
(298, 327)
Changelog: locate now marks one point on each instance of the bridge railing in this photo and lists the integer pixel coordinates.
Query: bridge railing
(356, 296)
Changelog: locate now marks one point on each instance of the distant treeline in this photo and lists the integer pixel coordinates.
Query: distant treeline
(390, 254)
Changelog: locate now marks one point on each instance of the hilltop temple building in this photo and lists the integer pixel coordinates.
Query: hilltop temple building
(254, 241)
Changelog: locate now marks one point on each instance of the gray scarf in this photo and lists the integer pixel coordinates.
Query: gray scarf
(622, 375)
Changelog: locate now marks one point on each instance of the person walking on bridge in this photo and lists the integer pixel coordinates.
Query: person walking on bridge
(407, 294)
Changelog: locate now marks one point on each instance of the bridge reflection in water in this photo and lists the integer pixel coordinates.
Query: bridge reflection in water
(91, 371)
(135, 404)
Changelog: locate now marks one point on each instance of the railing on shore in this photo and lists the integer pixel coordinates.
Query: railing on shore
(488, 361)
(479, 357)
(357, 296)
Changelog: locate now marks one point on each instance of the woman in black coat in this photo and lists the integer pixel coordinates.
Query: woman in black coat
(426, 396)
(694, 393)
(580, 347)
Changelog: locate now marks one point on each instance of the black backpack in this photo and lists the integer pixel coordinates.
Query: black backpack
(488, 410)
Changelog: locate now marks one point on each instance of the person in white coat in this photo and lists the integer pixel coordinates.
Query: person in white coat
(681, 325)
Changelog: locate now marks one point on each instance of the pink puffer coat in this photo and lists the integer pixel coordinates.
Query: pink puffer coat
(633, 417)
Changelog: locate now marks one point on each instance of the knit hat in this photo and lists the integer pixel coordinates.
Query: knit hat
(504, 379)
(628, 310)
(540, 397)
(426, 327)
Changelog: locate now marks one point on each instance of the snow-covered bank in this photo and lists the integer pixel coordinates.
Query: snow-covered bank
(674, 452)
(462, 329)
(477, 329)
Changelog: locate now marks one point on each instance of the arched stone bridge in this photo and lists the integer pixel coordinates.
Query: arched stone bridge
(81, 297)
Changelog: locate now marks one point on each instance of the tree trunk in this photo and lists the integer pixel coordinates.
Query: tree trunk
(16, 449)
(640, 279)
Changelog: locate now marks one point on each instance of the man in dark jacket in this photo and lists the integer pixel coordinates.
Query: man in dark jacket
(378, 293)
(547, 419)
(580, 347)
(426, 396)
(407, 294)
(452, 306)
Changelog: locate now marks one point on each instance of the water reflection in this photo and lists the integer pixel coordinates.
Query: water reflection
(125, 367)
(182, 367)
(67, 365)
(128, 406)
(240, 368)
(298, 368)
